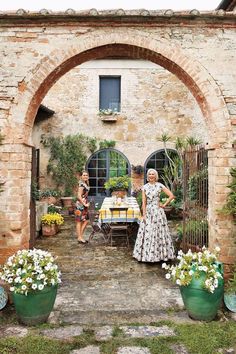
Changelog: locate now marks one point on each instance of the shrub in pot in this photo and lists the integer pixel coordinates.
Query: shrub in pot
(199, 276)
(118, 185)
(49, 195)
(33, 277)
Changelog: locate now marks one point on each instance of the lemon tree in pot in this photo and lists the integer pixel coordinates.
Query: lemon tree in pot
(33, 277)
(199, 276)
(118, 186)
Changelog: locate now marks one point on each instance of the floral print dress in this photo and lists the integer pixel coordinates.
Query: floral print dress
(153, 242)
(81, 212)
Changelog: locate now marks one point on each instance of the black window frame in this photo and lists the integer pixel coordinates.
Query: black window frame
(102, 106)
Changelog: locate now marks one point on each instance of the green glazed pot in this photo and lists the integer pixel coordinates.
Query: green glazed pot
(36, 307)
(200, 303)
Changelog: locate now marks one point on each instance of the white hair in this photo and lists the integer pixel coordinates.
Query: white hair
(152, 170)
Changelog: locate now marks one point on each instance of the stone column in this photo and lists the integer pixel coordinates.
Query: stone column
(221, 227)
(15, 162)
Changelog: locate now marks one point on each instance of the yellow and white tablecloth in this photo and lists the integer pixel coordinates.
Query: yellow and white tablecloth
(133, 211)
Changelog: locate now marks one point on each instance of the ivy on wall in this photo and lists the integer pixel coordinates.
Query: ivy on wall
(68, 156)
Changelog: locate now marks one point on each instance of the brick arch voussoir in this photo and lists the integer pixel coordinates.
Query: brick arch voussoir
(134, 44)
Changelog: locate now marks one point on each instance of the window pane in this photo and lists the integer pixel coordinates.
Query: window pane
(101, 163)
(109, 93)
(92, 172)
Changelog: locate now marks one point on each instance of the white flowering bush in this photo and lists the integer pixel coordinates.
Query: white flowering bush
(192, 264)
(107, 112)
(30, 270)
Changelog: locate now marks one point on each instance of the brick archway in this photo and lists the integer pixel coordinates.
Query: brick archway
(133, 44)
(120, 42)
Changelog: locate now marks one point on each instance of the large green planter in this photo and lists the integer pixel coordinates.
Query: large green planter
(200, 303)
(36, 307)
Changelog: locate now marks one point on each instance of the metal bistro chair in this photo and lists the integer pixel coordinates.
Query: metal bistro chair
(119, 229)
(97, 228)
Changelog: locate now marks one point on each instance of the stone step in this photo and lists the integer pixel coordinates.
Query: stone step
(95, 317)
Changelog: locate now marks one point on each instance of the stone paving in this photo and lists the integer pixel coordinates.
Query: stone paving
(104, 290)
(105, 285)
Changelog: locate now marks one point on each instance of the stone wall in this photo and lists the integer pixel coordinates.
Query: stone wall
(36, 50)
(153, 102)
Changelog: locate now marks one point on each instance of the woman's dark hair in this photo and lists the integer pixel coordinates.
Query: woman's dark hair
(84, 171)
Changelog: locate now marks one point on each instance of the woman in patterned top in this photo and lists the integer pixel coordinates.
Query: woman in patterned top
(82, 204)
(153, 242)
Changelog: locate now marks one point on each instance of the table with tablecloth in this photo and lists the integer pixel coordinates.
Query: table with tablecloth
(133, 211)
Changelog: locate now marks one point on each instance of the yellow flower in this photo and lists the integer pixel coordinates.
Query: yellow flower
(52, 218)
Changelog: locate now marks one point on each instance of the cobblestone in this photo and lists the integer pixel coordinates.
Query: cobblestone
(133, 350)
(147, 331)
(103, 333)
(63, 332)
(91, 349)
(16, 331)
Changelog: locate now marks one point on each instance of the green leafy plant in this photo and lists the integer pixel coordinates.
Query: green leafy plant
(105, 144)
(137, 169)
(30, 270)
(48, 192)
(35, 191)
(195, 231)
(172, 172)
(196, 183)
(67, 159)
(118, 183)
(192, 264)
(230, 206)
(231, 284)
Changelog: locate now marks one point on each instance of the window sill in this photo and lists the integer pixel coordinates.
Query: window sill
(108, 118)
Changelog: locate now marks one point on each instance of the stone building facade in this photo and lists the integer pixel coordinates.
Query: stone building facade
(196, 92)
(153, 102)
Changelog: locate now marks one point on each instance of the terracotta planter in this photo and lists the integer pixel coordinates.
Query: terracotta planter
(49, 200)
(49, 230)
(119, 193)
(67, 201)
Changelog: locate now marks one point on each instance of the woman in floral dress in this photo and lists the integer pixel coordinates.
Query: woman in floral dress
(82, 204)
(154, 243)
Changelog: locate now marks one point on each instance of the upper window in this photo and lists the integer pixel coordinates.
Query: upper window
(109, 92)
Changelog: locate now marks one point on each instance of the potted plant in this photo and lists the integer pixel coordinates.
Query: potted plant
(118, 186)
(199, 276)
(138, 169)
(33, 277)
(230, 292)
(108, 115)
(49, 195)
(51, 223)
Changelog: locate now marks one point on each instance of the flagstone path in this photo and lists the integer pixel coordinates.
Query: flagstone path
(104, 284)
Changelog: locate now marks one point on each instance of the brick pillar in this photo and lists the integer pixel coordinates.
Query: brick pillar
(222, 230)
(15, 199)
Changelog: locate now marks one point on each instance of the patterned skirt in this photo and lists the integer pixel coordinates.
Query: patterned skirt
(153, 242)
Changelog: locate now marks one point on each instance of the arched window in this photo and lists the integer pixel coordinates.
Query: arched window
(158, 160)
(102, 165)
